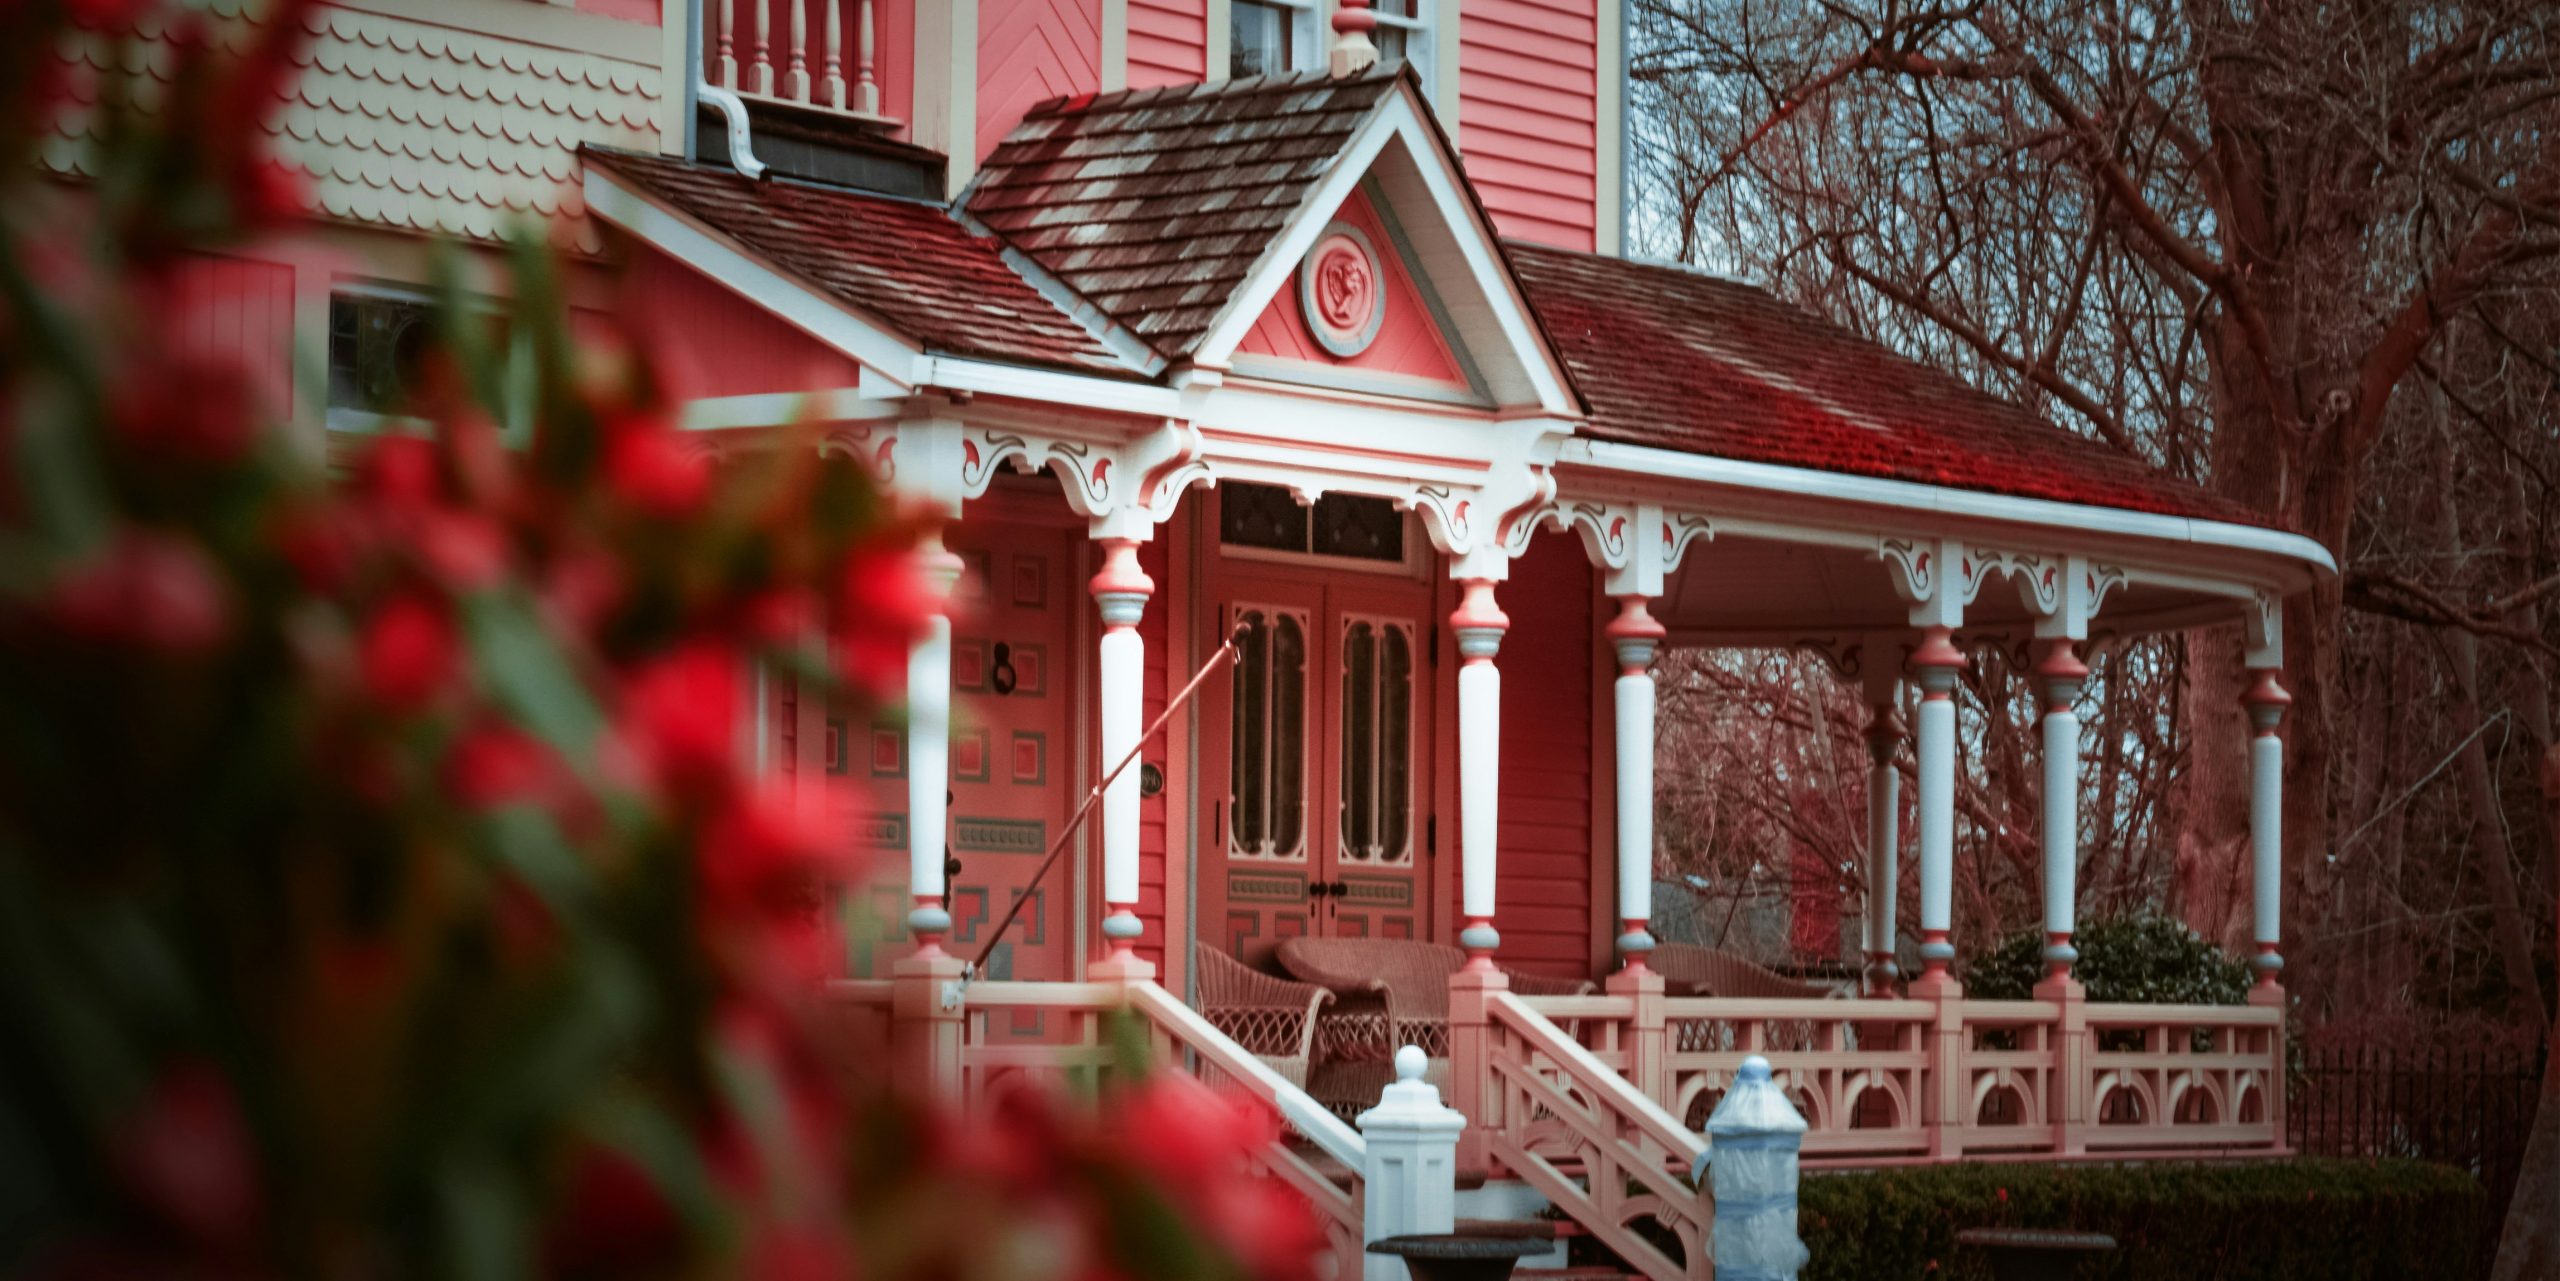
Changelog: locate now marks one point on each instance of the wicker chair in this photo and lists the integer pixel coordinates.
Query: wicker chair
(1272, 1017)
(1687, 970)
(1395, 992)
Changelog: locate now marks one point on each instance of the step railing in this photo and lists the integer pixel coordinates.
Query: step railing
(1550, 1112)
(817, 55)
(977, 1043)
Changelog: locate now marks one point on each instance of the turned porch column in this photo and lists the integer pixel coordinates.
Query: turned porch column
(1120, 591)
(929, 752)
(2266, 701)
(1935, 667)
(1634, 635)
(1884, 820)
(2061, 675)
(1478, 625)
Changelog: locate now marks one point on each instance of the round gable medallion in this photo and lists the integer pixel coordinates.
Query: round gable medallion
(1339, 291)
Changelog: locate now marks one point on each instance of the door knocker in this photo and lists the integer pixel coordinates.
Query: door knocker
(1001, 678)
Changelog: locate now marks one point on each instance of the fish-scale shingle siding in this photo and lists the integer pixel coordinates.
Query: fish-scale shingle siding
(409, 124)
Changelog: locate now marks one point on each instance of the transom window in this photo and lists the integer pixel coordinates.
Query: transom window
(1267, 787)
(1377, 741)
(1354, 526)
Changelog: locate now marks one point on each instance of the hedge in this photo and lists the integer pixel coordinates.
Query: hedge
(2313, 1220)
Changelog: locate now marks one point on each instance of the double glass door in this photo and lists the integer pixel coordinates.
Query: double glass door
(1319, 824)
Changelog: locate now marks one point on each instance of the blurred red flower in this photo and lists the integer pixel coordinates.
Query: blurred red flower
(147, 591)
(409, 652)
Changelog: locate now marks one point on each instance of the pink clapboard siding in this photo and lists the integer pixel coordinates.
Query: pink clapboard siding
(1408, 343)
(240, 310)
(1542, 906)
(1030, 51)
(714, 343)
(1168, 42)
(644, 11)
(1528, 105)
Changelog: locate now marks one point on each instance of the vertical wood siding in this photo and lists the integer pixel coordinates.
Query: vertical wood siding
(1030, 51)
(1528, 107)
(1168, 42)
(1543, 907)
(240, 309)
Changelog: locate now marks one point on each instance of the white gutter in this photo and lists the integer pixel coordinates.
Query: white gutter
(733, 109)
(1666, 464)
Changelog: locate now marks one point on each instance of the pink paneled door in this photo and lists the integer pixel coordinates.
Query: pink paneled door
(1314, 754)
(1012, 759)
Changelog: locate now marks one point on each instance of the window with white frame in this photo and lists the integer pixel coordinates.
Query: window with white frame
(1272, 37)
(1404, 33)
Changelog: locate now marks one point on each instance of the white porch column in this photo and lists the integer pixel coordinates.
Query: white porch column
(1478, 625)
(1884, 821)
(1935, 667)
(1121, 590)
(2266, 702)
(1635, 635)
(2062, 674)
(929, 754)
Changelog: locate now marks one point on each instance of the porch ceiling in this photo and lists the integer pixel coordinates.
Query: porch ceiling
(1739, 590)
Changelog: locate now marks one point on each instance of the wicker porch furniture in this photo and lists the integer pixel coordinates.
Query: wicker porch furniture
(1273, 1017)
(1688, 970)
(1391, 993)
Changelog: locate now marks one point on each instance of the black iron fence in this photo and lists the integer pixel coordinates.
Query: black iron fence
(2468, 1109)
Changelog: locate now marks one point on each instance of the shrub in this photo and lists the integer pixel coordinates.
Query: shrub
(2332, 1220)
(2145, 958)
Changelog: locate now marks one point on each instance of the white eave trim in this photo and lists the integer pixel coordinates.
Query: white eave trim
(1667, 464)
(874, 346)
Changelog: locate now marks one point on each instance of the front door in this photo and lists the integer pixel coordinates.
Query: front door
(1012, 778)
(1315, 751)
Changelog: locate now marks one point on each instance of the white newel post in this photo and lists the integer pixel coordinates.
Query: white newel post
(1935, 667)
(1409, 1184)
(1754, 1162)
(1884, 822)
(2062, 675)
(1635, 635)
(1121, 590)
(929, 754)
(2266, 702)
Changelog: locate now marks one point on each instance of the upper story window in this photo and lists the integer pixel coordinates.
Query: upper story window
(1404, 33)
(376, 342)
(1270, 37)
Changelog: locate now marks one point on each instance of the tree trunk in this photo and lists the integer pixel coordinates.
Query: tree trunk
(2529, 1247)
(2479, 789)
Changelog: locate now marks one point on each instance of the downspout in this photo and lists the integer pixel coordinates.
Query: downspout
(733, 109)
(1626, 131)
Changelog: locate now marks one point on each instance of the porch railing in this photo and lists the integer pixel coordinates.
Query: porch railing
(818, 55)
(1915, 1080)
